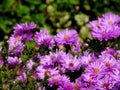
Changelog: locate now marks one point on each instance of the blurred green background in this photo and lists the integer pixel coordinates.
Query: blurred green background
(55, 15)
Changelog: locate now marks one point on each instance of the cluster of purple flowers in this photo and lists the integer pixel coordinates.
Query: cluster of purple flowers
(96, 72)
(105, 27)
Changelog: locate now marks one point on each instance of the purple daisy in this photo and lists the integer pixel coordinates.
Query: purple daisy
(110, 51)
(14, 61)
(110, 18)
(87, 58)
(71, 63)
(42, 38)
(76, 47)
(46, 72)
(54, 80)
(95, 24)
(66, 37)
(106, 27)
(15, 44)
(106, 32)
(30, 64)
(52, 58)
(106, 83)
(22, 77)
(96, 69)
(109, 62)
(24, 30)
(85, 85)
(19, 29)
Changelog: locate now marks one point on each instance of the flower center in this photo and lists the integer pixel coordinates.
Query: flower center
(97, 24)
(92, 80)
(66, 37)
(52, 58)
(75, 85)
(106, 85)
(103, 32)
(90, 61)
(71, 64)
(54, 79)
(96, 70)
(17, 38)
(107, 64)
(110, 22)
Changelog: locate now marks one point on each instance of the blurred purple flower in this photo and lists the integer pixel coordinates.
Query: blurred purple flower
(30, 64)
(14, 61)
(71, 63)
(24, 30)
(15, 45)
(110, 18)
(66, 37)
(87, 58)
(42, 38)
(106, 27)
(19, 29)
(46, 72)
(22, 77)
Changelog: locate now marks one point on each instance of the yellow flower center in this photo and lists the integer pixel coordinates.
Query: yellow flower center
(90, 79)
(110, 22)
(17, 38)
(96, 70)
(75, 85)
(54, 79)
(97, 24)
(66, 37)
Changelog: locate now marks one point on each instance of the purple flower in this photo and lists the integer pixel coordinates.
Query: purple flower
(46, 72)
(96, 69)
(52, 58)
(30, 64)
(42, 38)
(66, 37)
(54, 80)
(110, 18)
(24, 30)
(64, 83)
(67, 86)
(14, 61)
(106, 27)
(76, 47)
(22, 77)
(106, 83)
(86, 85)
(87, 58)
(19, 29)
(95, 24)
(15, 44)
(110, 51)
(109, 62)
(71, 63)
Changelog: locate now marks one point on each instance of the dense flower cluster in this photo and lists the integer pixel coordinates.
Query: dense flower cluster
(43, 61)
(105, 27)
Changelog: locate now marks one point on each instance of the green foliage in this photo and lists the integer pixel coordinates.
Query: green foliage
(54, 15)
